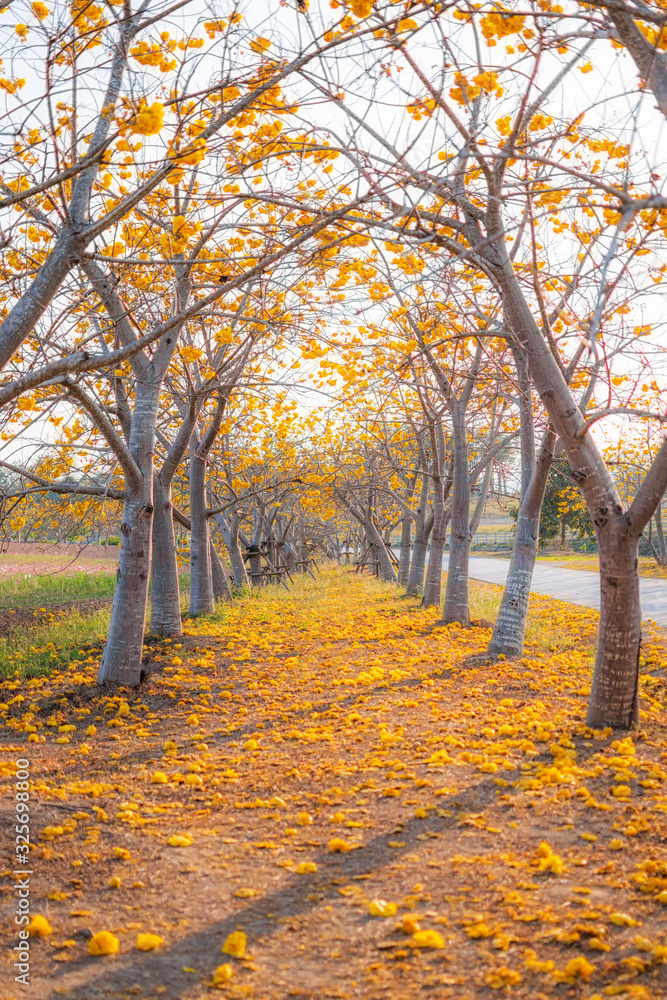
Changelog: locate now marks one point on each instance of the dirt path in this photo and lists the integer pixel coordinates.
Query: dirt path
(313, 753)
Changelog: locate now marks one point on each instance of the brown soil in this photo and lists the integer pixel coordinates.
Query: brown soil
(308, 730)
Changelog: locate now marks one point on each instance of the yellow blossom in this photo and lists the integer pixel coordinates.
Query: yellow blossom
(222, 975)
(235, 944)
(339, 846)
(428, 939)
(103, 943)
(149, 121)
(381, 908)
(147, 942)
(39, 927)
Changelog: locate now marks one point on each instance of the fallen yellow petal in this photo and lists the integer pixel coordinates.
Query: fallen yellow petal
(428, 939)
(103, 943)
(39, 927)
(178, 840)
(235, 944)
(147, 942)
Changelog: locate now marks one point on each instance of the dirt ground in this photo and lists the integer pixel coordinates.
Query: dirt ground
(314, 753)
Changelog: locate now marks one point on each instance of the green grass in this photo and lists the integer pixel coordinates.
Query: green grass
(31, 652)
(45, 590)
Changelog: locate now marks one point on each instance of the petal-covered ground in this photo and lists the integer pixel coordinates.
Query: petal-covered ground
(322, 794)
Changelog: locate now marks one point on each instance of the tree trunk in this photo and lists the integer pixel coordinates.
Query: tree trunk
(257, 578)
(385, 565)
(165, 591)
(255, 566)
(613, 699)
(201, 582)
(660, 534)
(457, 597)
(423, 529)
(415, 585)
(433, 589)
(229, 529)
(122, 656)
(614, 694)
(510, 627)
(221, 588)
(404, 553)
(480, 506)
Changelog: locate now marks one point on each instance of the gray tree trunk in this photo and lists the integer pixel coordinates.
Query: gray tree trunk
(165, 590)
(165, 593)
(423, 528)
(404, 551)
(373, 536)
(202, 601)
(457, 597)
(221, 589)
(387, 571)
(433, 588)
(415, 585)
(478, 512)
(661, 547)
(122, 656)
(257, 578)
(509, 629)
(229, 529)
(614, 695)
(441, 487)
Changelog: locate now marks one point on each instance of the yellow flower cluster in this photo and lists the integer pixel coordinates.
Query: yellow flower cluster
(149, 121)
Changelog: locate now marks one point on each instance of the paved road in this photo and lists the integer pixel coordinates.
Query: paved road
(573, 585)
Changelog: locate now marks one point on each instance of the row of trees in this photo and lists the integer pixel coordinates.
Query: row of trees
(464, 240)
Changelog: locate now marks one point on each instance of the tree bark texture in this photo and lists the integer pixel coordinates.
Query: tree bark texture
(202, 601)
(221, 589)
(121, 659)
(509, 630)
(661, 546)
(433, 587)
(613, 699)
(404, 551)
(423, 528)
(165, 590)
(229, 529)
(457, 595)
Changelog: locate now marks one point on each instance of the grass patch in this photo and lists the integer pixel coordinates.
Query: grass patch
(32, 652)
(33, 591)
